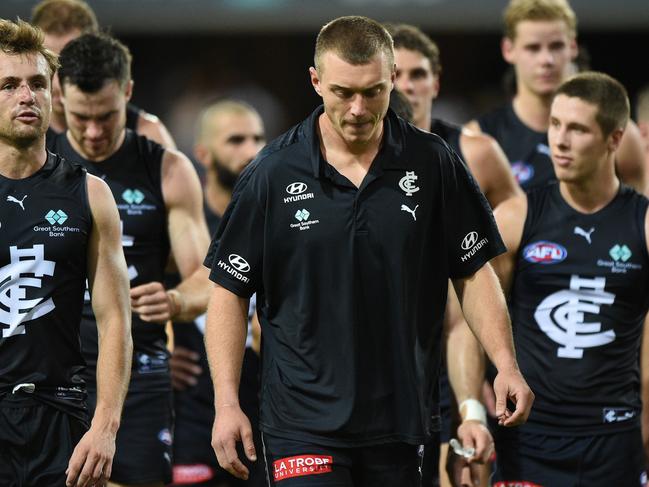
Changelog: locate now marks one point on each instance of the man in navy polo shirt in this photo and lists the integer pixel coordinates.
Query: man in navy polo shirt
(348, 227)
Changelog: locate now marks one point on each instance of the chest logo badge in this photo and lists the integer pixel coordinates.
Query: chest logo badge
(133, 196)
(583, 233)
(407, 183)
(26, 268)
(17, 201)
(620, 252)
(57, 217)
(544, 252)
(561, 316)
(412, 212)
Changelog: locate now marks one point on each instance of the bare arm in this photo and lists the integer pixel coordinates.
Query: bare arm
(644, 367)
(630, 159)
(225, 341)
(484, 308)
(510, 217)
(152, 128)
(108, 280)
(189, 240)
(489, 166)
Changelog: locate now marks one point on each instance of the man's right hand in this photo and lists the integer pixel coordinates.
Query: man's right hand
(230, 426)
(184, 368)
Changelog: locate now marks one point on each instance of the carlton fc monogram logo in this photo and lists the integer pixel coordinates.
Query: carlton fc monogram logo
(561, 316)
(26, 269)
(407, 183)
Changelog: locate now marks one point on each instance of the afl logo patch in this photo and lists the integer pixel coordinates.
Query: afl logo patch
(545, 253)
(522, 171)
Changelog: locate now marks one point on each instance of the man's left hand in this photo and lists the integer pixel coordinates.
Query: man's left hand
(151, 302)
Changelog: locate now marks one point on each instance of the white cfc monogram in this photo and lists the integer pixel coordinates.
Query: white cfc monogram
(26, 269)
(561, 316)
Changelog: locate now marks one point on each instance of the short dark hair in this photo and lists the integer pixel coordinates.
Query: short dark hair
(605, 92)
(355, 39)
(410, 37)
(92, 60)
(58, 17)
(19, 37)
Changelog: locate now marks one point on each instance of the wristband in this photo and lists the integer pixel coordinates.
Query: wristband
(473, 411)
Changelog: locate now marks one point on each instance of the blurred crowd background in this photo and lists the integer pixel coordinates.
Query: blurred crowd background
(188, 53)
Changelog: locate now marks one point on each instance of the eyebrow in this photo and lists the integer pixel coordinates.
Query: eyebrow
(377, 85)
(15, 79)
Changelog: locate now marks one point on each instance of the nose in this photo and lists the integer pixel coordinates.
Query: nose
(93, 130)
(358, 105)
(26, 95)
(250, 148)
(559, 137)
(404, 83)
(548, 57)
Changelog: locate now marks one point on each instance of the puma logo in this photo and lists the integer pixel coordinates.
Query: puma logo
(584, 233)
(412, 212)
(17, 201)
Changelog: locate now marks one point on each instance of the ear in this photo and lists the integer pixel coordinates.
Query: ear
(315, 80)
(507, 50)
(128, 91)
(614, 139)
(202, 153)
(435, 86)
(574, 49)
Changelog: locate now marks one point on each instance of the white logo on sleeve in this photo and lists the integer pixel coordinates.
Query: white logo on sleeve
(561, 316)
(15, 310)
(236, 266)
(471, 243)
(407, 183)
(239, 263)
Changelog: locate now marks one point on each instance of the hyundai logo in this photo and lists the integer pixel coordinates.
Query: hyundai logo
(296, 188)
(469, 240)
(239, 263)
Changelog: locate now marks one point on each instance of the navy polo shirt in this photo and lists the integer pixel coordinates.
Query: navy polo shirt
(351, 282)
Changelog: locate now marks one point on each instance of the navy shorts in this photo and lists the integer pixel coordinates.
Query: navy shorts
(291, 463)
(535, 460)
(36, 442)
(144, 439)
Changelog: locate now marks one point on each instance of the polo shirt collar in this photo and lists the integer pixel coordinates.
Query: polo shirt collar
(388, 157)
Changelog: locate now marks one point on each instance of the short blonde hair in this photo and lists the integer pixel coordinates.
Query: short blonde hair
(642, 105)
(19, 37)
(520, 10)
(59, 17)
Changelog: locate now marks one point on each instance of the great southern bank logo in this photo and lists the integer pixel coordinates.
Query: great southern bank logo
(133, 196)
(57, 217)
(544, 252)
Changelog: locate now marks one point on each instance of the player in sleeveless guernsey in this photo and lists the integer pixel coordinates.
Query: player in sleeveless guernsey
(577, 273)
(63, 21)
(58, 226)
(333, 245)
(160, 205)
(540, 42)
(229, 135)
(418, 76)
